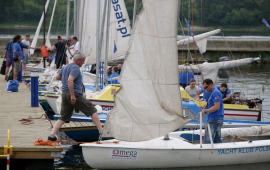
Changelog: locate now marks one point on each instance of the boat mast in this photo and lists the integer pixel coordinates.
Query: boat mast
(67, 22)
(134, 12)
(44, 26)
(107, 41)
(81, 22)
(75, 17)
(97, 43)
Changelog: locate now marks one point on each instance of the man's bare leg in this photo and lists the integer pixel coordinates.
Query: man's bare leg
(6, 72)
(57, 125)
(24, 67)
(96, 121)
(15, 74)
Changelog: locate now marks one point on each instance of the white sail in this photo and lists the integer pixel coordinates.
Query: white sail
(34, 42)
(48, 42)
(119, 31)
(210, 70)
(148, 105)
(201, 40)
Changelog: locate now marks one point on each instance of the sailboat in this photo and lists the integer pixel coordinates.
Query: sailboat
(149, 105)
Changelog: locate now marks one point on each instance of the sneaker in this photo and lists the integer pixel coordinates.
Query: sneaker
(52, 139)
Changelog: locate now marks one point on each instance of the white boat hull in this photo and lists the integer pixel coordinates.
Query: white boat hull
(173, 153)
(251, 114)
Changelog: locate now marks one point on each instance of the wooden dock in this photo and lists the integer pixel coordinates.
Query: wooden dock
(14, 107)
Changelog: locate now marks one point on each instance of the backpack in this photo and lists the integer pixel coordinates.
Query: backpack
(12, 86)
(3, 67)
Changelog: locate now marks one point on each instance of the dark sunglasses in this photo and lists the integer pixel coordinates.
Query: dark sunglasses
(206, 87)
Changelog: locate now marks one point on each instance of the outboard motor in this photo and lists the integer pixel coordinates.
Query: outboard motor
(223, 73)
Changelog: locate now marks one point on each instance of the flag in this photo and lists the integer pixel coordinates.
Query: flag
(265, 22)
(191, 33)
(115, 48)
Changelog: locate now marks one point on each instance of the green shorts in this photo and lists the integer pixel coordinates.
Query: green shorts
(82, 104)
(17, 66)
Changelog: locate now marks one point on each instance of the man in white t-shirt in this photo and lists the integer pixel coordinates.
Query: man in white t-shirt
(75, 47)
(26, 52)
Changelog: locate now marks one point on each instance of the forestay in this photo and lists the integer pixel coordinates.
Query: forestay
(148, 105)
(119, 30)
(210, 70)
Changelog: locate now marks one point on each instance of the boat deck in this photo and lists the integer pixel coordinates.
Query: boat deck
(74, 126)
(14, 107)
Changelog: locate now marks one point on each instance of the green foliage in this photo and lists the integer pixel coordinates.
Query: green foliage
(227, 13)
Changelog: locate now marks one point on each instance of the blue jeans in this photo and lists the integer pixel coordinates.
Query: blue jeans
(215, 127)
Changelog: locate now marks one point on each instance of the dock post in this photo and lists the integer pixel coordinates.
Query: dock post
(34, 89)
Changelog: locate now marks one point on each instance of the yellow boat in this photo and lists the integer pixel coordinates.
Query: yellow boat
(105, 99)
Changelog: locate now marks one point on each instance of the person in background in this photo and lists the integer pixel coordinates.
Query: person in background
(226, 93)
(72, 97)
(17, 55)
(93, 69)
(215, 112)
(193, 90)
(61, 56)
(26, 52)
(76, 47)
(9, 55)
(109, 71)
(119, 68)
(113, 75)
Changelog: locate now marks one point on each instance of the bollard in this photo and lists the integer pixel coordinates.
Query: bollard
(34, 89)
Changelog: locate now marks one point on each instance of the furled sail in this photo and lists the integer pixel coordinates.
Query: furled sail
(254, 130)
(201, 40)
(210, 70)
(148, 105)
(119, 31)
(34, 42)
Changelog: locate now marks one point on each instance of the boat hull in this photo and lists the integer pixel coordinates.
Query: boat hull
(173, 153)
(229, 114)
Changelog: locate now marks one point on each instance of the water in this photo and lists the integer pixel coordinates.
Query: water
(10, 32)
(250, 80)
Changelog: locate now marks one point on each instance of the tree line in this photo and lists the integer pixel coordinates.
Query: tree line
(206, 12)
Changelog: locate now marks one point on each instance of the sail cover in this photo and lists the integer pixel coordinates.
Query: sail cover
(148, 105)
(210, 70)
(120, 30)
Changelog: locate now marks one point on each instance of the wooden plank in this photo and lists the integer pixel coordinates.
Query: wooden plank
(17, 106)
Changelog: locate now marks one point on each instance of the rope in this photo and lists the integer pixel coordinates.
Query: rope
(30, 119)
(41, 142)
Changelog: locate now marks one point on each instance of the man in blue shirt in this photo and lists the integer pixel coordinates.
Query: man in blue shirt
(9, 54)
(226, 93)
(17, 55)
(184, 78)
(215, 112)
(72, 95)
(113, 75)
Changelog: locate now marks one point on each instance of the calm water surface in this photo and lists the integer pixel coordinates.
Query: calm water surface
(61, 30)
(253, 80)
